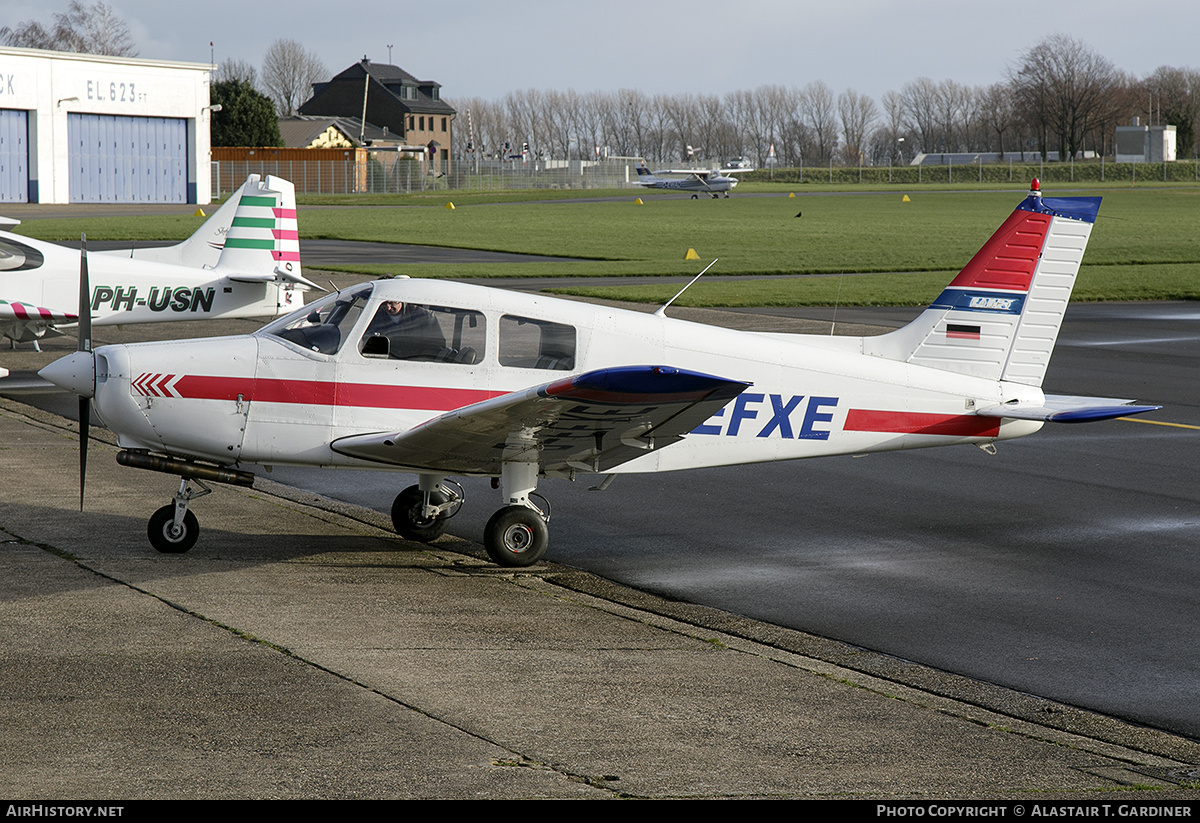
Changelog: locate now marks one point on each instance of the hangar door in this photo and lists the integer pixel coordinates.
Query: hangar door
(127, 159)
(14, 156)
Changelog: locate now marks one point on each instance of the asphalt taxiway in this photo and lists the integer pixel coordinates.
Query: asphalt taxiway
(304, 651)
(299, 640)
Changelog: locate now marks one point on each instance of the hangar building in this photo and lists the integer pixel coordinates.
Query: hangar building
(86, 128)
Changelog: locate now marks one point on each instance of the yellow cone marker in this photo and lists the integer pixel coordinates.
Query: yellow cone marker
(638, 202)
(450, 206)
(906, 200)
(691, 255)
(199, 213)
(791, 194)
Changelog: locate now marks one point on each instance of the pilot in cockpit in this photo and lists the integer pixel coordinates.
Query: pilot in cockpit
(412, 331)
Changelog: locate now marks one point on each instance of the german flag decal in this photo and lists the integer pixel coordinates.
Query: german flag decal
(959, 331)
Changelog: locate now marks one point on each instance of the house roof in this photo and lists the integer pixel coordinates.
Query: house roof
(301, 130)
(423, 96)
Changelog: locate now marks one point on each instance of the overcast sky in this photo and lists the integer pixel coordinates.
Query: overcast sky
(486, 49)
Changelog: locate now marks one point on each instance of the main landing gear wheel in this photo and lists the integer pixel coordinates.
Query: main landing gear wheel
(408, 519)
(516, 536)
(168, 538)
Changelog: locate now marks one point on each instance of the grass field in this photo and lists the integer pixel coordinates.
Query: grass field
(1145, 244)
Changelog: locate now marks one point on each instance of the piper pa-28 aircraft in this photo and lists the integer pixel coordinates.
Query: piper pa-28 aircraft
(243, 262)
(440, 379)
(696, 181)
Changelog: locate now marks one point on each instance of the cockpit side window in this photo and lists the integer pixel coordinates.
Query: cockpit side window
(324, 325)
(412, 331)
(536, 344)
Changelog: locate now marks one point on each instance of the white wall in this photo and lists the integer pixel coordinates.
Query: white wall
(51, 84)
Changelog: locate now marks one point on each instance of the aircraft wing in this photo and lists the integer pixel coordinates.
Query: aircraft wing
(589, 422)
(16, 310)
(1059, 408)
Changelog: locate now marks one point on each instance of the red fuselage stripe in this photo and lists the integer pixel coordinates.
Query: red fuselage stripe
(322, 393)
(955, 425)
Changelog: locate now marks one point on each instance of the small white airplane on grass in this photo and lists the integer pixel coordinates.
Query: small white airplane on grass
(439, 379)
(697, 181)
(244, 261)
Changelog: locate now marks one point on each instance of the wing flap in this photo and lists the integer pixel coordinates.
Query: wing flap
(590, 422)
(1068, 409)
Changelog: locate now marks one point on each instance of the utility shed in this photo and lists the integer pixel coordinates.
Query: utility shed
(1145, 144)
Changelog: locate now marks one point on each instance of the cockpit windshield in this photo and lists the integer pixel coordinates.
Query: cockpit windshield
(322, 326)
(17, 256)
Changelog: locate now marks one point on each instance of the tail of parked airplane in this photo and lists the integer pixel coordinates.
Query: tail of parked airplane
(999, 318)
(203, 248)
(263, 241)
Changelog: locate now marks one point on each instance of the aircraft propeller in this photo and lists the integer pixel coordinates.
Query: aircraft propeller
(85, 345)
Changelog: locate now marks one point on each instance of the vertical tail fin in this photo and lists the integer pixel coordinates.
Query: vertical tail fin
(264, 238)
(999, 318)
(203, 248)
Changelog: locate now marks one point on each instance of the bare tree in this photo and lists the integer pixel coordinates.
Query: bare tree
(921, 113)
(817, 107)
(93, 29)
(236, 70)
(859, 114)
(288, 73)
(997, 112)
(889, 143)
(1063, 87)
(1176, 96)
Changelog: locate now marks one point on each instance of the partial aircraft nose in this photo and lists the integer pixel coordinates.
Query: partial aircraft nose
(76, 373)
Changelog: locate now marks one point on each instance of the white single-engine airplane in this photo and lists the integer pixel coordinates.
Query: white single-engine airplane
(441, 379)
(243, 262)
(696, 181)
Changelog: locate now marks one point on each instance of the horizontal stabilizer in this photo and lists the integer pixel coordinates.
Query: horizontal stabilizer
(278, 276)
(1068, 409)
(590, 422)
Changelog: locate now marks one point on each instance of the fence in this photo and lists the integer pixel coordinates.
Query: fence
(1011, 171)
(407, 176)
(387, 173)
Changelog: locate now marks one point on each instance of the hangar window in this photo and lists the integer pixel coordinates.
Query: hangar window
(536, 344)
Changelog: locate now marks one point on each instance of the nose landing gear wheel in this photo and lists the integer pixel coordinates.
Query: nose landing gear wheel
(516, 536)
(408, 519)
(165, 537)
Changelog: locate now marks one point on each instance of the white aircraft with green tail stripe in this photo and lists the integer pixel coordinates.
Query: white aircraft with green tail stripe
(243, 262)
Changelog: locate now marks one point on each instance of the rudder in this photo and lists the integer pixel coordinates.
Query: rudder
(264, 237)
(1000, 317)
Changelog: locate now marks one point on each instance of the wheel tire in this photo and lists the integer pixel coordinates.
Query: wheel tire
(516, 536)
(407, 519)
(161, 536)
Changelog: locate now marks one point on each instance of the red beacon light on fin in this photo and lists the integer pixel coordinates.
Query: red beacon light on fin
(1034, 185)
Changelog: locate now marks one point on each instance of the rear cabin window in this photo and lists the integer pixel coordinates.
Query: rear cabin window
(413, 331)
(536, 344)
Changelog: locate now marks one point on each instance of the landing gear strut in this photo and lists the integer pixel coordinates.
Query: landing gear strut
(421, 512)
(173, 529)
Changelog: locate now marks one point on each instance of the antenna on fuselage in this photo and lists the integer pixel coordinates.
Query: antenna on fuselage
(662, 312)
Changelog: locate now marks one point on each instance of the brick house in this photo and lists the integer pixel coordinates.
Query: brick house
(411, 110)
